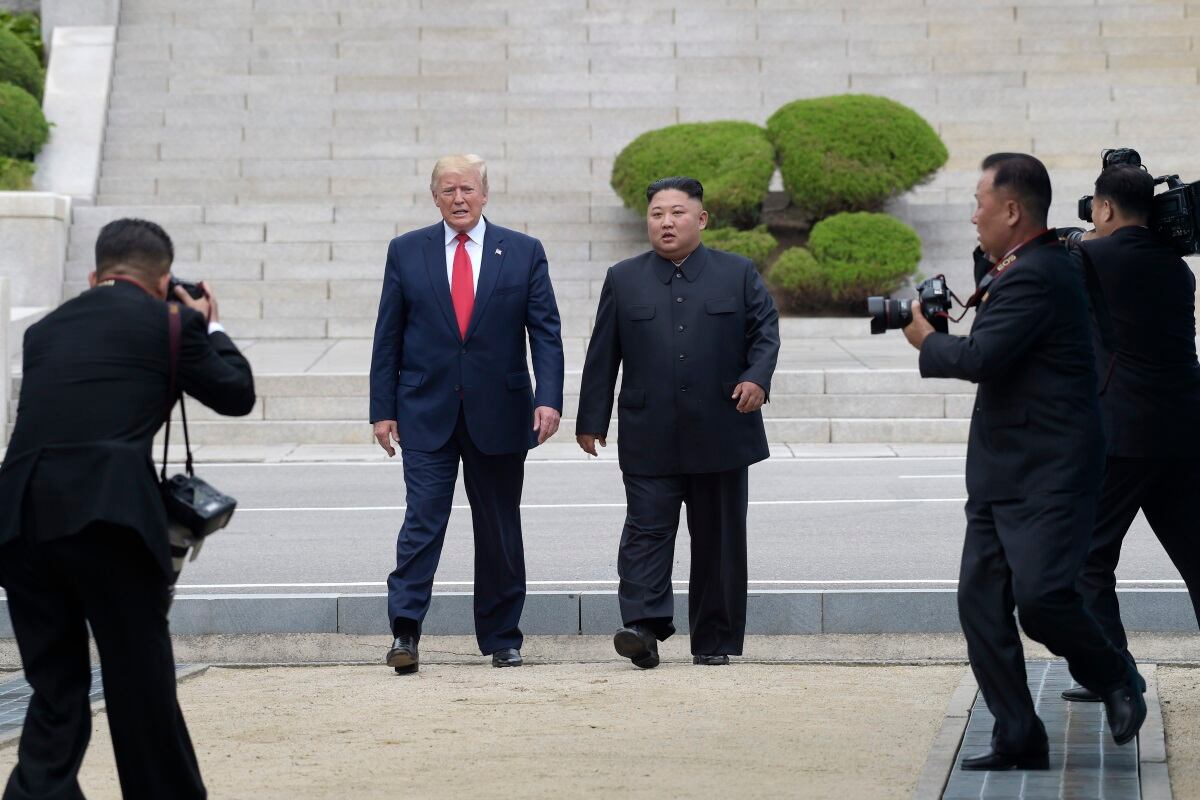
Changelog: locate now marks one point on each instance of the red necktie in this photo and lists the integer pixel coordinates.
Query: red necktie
(462, 286)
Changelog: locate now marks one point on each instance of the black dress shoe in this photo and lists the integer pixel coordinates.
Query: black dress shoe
(403, 656)
(507, 657)
(1080, 695)
(711, 661)
(1126, 711)
(637, 644)
(995, 761)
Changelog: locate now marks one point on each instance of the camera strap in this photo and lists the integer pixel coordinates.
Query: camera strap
(174, 344)
(1045, 237)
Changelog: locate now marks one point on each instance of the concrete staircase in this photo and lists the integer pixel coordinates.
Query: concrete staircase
(283, 142)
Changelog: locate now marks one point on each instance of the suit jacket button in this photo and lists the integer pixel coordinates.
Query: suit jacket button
(464, 351)
(678, 299)
(680, 329)
(683, 388)
(457, 388)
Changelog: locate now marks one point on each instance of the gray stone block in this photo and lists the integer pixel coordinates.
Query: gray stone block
(362, 614)
(600, 613)
(6, 631)
(783, 613)
(230, 614)
(890, 611)
(1157, 610)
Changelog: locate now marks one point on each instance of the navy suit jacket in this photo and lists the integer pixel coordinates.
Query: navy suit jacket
(422, 370)
(1036, 424)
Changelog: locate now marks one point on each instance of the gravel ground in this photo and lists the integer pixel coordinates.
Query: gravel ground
(1179, 688)
(554, 731)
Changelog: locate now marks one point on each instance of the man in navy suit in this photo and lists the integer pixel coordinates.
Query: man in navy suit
(450, 382)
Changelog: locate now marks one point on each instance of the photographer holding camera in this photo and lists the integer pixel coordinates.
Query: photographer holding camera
(1033, 464)
(1151, 398)
(83, 531)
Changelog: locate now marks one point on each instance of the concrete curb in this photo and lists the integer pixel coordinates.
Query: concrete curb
(1152, 743)
(778, 612)
(944, 749)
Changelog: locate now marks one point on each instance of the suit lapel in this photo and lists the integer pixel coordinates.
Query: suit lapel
(489, 271)
(435, 265)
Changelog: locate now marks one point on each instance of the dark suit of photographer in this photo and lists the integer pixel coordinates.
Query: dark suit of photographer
(1151, 402)
(1033, 466)
(83, 533)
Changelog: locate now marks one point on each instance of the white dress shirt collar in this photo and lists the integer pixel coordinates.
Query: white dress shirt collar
(475, 234)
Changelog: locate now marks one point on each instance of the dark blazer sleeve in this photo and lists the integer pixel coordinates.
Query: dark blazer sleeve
(213, 370)
(545, 334)
(600, 367)
(762, 332)
(1020, 311)
(389, 341)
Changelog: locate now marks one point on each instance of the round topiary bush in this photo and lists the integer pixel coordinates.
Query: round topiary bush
(849, 257)
(19, 66)
(15, 175)
(755, 244)
(23, 127)
(851, 152)
(734, 161)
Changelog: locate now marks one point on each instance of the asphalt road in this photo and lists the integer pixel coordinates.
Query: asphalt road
(873, 522)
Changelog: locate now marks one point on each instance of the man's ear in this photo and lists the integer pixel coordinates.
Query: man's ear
(92, 279)
(1014, 213)
(163, 283)
(703, 219)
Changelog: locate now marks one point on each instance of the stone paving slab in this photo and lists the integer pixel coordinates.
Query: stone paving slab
(1084, 760)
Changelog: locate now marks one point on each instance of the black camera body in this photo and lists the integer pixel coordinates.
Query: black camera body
(193, 289)
(197, 505)
(1175, 215)
(889, 314)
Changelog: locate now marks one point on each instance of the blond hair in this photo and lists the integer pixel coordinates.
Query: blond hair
(459, 163)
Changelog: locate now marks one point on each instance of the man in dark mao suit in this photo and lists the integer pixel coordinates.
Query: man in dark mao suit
(1151, 397)
(698, 337)
(450, 384)
(83, 531)
(1034, 459)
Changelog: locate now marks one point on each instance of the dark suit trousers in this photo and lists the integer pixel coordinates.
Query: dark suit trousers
(493, 484)
(1165, 489)
(716, 517)
(104, 577)
(1028, 554)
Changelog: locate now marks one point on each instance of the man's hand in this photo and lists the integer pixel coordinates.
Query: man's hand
(587, 441)
(917, 330)
(206, 305)
(545, 422)
(386, 432)
(750, 396)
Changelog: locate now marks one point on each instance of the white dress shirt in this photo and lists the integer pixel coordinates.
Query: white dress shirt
(474, 247)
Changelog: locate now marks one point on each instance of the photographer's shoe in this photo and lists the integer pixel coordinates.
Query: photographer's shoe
(638, 645)
(1080, 695)
(994, 761)
(403, 656)
(1126, 711)
(711, 660)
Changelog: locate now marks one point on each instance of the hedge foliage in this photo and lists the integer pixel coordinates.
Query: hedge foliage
(734, 161)
(15, 175)
(851, 152)
(27, 28)
(756, 244)
(23, 127)
(19, 66)
(849, 257)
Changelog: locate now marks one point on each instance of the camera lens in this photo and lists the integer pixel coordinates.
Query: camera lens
(888, 314)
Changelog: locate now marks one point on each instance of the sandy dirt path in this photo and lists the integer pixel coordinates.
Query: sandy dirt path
(1179, 688)
(556, 731)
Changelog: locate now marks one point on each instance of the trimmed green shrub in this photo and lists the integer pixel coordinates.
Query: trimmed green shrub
(15, 175)
(27, 28)
(849, 257)
(851, 152)
(755, 244)
(23, 127)
(19, 66)
(734, 161)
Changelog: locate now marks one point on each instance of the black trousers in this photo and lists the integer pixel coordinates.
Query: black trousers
(1027, 554)
(1165, 489)
(494, 484)
(106, 578)
(716, 516)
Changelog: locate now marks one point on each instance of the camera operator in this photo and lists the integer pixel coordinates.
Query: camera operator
(1033, 465)
(83, 531)
(1151, 400)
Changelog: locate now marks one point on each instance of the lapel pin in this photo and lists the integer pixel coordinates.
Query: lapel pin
(499, 252)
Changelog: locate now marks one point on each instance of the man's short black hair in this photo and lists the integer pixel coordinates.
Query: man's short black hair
(1129, 188)
(689, 186)
(1024, 176)
(134, 246)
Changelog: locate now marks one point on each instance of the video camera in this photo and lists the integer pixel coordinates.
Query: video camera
(1175, 216)
(889, 314)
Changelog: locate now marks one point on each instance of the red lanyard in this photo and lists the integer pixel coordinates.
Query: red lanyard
(1045, 237)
